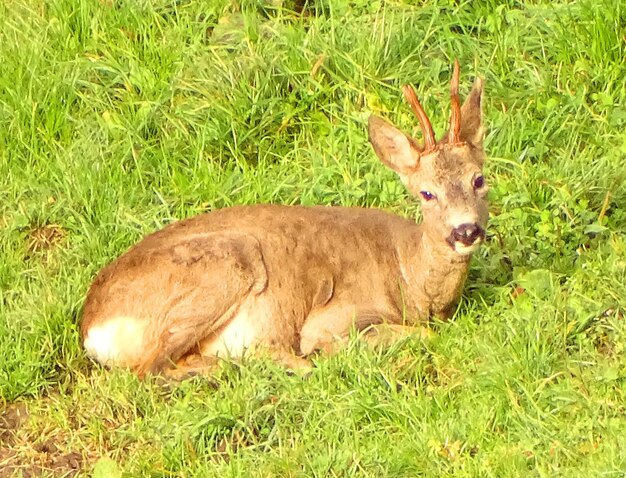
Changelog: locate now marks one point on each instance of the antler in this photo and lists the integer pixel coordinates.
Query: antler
(455, 117)
(427, 129)
(454, 134)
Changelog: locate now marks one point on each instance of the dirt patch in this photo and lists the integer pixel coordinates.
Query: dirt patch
(61, 466)
(20, 455)
(41, 238)
(10, 420)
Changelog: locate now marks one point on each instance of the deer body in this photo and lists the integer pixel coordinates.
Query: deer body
(290, 279)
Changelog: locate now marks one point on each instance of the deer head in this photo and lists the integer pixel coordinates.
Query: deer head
(446, 174)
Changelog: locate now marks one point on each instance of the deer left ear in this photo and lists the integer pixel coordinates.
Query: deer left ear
(472, 130)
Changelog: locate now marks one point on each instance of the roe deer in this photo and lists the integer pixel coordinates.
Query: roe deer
(292, 280)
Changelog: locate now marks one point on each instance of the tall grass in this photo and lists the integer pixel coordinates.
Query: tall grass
(118, 117)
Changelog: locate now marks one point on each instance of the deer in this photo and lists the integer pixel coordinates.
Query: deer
(294, 281)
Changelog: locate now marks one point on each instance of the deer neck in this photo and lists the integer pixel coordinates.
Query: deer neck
(433, 274)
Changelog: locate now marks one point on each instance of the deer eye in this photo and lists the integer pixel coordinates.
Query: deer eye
(427, 195)
(479, 182)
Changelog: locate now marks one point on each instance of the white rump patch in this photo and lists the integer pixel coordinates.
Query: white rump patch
(117, 341)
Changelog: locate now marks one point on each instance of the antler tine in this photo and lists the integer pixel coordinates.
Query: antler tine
(455, 117)
(427, 128)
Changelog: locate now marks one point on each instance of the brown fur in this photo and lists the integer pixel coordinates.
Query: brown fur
(292, 280)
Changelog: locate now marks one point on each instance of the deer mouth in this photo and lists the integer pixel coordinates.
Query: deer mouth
(466, 238)
(464, 250)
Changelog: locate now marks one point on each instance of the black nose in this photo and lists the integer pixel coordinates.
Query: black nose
(467, 233)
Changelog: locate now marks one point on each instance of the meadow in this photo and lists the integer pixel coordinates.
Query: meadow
(119, 117)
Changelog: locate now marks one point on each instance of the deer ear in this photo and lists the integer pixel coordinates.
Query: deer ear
(392, 146)
(472, 130)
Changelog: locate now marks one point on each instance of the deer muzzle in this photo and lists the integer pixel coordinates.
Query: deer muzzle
(466, 237)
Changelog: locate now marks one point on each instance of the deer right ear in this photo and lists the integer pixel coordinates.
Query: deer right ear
(392, 146)
(472, 130)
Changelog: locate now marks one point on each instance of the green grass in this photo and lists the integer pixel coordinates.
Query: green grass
(118, 117)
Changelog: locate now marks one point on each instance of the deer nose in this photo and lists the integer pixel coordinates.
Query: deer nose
(468, 233)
